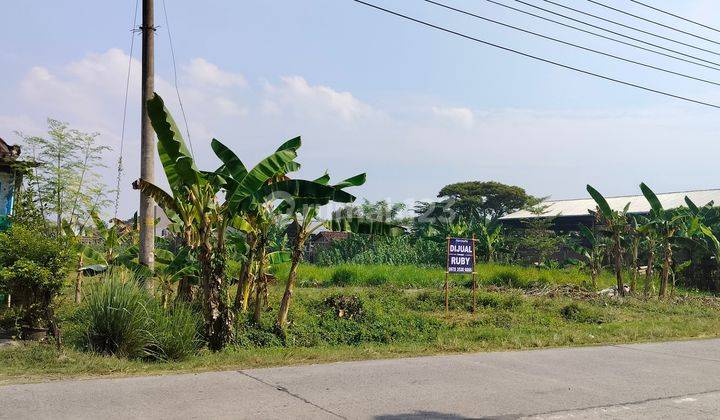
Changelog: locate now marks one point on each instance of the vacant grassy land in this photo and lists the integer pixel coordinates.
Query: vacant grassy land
(412, 277)
(403, 317)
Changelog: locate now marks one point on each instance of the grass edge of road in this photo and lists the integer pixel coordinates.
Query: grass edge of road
(235, 361)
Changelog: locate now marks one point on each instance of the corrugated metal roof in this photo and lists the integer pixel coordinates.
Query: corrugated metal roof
(638, 204)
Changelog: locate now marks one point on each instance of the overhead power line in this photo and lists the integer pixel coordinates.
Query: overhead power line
(609, 38)
(615, 32)
(124, 114)
(535, 57)
(175, 76)
(614, 22)
(675, 15)
(606, 54)
(654, 22)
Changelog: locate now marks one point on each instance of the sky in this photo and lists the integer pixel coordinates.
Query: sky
(413, 107)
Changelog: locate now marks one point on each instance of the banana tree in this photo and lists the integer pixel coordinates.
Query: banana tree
(208, 217)
(665, 225)
(592, 248)
(616, 223)
(306, 222)
(172, 267)
(489, 237)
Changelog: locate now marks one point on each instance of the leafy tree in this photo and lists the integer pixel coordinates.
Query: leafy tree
(538, 235)
(381, 211)
(67, 184)
(485, 200)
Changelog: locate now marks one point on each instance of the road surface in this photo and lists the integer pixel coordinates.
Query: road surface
(663, 380)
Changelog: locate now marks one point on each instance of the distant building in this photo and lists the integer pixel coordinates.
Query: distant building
(315, 242)
(570, 214)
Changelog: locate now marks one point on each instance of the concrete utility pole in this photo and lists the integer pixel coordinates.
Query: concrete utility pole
(147, 139)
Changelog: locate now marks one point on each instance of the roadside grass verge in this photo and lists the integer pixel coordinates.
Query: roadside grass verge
(332, 323)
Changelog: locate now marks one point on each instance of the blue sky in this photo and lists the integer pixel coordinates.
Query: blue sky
(413, 107)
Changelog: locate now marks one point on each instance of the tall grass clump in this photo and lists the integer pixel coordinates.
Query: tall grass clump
(122, 319)
(175, 332)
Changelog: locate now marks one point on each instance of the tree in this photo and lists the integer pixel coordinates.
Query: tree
(243, 193)
(67, 184)
(593, 248)
(616, 224)
(305, 218)
(538, 235)
(489, 236)
(485, 200)
(665, 225)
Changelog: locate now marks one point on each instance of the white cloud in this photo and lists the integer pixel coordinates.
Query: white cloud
(462, 116)
(202, 72)
(297, 95)
(405, 153)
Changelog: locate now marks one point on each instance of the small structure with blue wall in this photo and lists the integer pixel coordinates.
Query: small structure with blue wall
(11, 173)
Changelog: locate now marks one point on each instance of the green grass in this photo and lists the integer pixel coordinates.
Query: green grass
(412, 277)
(390, 321)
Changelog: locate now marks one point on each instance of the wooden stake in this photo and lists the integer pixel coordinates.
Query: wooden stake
(474, 283)
(447, 286)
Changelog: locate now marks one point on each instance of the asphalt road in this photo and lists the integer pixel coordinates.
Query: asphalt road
(663, 380)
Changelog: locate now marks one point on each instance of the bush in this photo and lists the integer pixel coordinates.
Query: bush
(399, 250)
(120, 318)
(117, 319)
(581, 313)
(175, 332)
(34, 269)
(344, 276)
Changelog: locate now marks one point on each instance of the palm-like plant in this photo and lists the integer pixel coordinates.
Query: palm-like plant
(616, 224)
(664, 225)
(306, 222)
(592, 248)
(194, 194)
(489, 236)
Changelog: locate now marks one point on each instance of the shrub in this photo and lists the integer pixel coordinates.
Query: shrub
(575, 312)
(175, 332)
(344, 276)
(399, 250)
(120, 318)
(117, 319)
(34, 269)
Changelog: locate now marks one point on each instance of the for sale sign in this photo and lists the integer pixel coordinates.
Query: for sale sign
(461, 256)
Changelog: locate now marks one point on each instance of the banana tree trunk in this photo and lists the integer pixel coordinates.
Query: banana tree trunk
(618, 265)
(649, 270)
(292, 279)
(667, 259)
(184, 290)
(217, 314)
(635, 248)
(244, 282)
(260, 281)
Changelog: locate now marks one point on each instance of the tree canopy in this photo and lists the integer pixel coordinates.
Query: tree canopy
(488, 200)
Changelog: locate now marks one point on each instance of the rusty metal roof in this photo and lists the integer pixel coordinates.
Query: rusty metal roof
(7, 151)
(638, 204)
